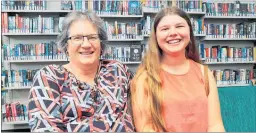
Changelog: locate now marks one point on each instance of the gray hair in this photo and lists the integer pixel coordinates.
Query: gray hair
(77, 15)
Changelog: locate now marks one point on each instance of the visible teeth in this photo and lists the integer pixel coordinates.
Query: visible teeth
(86, 53)
(173, 41)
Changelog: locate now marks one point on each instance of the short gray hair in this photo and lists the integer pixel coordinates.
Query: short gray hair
(77, 15)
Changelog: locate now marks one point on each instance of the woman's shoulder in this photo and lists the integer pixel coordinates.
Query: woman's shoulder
(197, 65)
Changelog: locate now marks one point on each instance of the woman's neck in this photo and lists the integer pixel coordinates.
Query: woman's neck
(176, 64)
(84, 73)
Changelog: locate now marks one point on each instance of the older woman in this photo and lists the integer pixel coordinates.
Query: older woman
(87, 94)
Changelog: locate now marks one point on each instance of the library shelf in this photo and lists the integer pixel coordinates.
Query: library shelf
(233, 85)
(17, 88)
(229, 17)
(233, 62)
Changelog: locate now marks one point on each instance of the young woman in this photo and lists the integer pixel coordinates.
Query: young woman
(170, 91)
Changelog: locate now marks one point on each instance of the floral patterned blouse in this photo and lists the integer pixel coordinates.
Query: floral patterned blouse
(58, 102)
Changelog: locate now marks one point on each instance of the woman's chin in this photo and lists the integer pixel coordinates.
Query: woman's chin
(87, 61)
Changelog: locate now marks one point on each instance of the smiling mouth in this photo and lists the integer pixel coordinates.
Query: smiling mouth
(86, 53)
(174, 41)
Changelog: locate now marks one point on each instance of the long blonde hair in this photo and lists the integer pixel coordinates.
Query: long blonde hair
(151, 65)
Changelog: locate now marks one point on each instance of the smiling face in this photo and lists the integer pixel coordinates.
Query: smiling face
(173, 34)
(88, 52)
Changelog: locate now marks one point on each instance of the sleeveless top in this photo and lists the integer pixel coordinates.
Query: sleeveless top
(185, 104)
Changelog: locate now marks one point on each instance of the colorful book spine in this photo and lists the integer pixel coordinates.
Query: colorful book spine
(19, 24)
(127, 53)
(227, 54)
(188, 6)
(233, 77)
(40, 51)
(118, 30)
(18, 78)
(14, 111)
(231, 8)
(24, 4)
(241, 30)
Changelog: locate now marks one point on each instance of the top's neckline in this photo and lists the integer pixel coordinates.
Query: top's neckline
(179, 74)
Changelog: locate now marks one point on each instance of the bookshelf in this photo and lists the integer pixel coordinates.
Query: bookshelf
(35, 61)
(233, 85)
(233, 62)
(17, 88)
(201, 15)
(229, 39)
(54, 60)
(30, 34)
(36, 11)
(229, 17)
(16, 122)
(196, 35)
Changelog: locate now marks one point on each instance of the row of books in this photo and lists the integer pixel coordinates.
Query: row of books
(240, 30)
(134, 7)
(103, 7)
(23, 78)
(131, 53)
(233, 77)
(227, 54)
(20, 24)
(18, 78)
(14, 111)
(123, 30)
(197, 24)
(231, 8)
(32, 51)
(24, 4)
(186, 5)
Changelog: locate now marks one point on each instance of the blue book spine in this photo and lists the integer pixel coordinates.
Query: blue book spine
(15, 50)
(24, 75)
(12, 77)
(3, 5)
(202, 54)
(244, 54)
(46, 48)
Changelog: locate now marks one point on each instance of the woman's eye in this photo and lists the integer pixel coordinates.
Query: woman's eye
(78, 37)
(180, 26)
(164, 29)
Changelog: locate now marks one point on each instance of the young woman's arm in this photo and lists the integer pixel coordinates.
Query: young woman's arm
(140, 106)
(215, 123)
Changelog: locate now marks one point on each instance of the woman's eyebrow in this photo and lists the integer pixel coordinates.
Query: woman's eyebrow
(79, 34)
(166, 25)
(181, 23)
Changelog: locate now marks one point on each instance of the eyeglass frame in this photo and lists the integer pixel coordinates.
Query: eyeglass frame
(70, 38)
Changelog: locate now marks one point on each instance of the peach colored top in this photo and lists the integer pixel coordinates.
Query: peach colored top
(185, 106)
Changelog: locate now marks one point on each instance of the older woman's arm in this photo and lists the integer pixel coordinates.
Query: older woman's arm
(44, 106)
(215, 123)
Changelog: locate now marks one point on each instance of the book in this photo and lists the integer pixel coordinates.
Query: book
(135, 51)
(134, 8)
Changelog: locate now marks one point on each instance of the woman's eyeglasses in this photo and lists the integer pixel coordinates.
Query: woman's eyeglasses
(78, 40)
